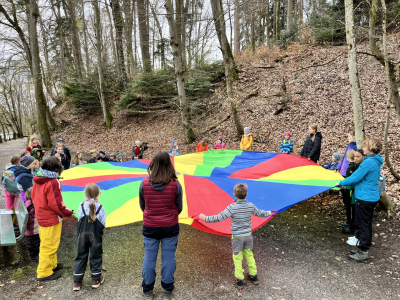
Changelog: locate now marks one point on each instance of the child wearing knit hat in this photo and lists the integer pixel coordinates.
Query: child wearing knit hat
(247, 140)
(219, 144)
(287, 145)
(137, 151)
(334, 162)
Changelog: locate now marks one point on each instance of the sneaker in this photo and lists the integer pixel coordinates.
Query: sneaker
(354, 251)
(77, 286)
(239, 283)
(148, 295)
(343, 225)
(96, 283)
(352, 238)
(360, 256)
(53, 276)
(353, 242)
(167, 295)
(254, 279)
(58, 268)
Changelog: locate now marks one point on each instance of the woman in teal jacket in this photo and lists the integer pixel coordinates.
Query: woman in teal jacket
(365, 180)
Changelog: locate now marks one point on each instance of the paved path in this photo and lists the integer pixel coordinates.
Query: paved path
(300, 254)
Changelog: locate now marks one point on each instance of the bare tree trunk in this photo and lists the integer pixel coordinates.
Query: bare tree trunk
(253, 31)
(160, 33)
(119, 33)
(51, 121)
(392, 81)
(37, 74)
(300, 11)
(113, 46)
(144, 36)
(289, 15)
(266, 23)
(229, 62)
(389, 99)
(236, 25)
(76, 45)
(128, 11)
(104, 103)
(85, 39)
(179, 71)
(277, 22)
(353, 74)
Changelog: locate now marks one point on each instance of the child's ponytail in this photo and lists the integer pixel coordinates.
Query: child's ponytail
(92, 212)
(92, 192)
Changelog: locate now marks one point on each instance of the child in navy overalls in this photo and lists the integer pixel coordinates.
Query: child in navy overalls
(91, 224)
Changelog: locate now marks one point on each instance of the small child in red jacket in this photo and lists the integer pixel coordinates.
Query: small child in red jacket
(50, 211)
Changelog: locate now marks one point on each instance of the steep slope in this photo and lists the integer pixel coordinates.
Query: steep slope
(317, 91)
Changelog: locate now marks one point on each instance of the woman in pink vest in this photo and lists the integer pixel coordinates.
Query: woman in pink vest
(160, 198)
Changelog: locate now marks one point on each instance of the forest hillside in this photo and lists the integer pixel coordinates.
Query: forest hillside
(277, 90)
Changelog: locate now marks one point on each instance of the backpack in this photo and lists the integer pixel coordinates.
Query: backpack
(284, 142)
(381, 184)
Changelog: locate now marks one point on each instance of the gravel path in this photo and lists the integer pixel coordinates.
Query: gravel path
(300, 254)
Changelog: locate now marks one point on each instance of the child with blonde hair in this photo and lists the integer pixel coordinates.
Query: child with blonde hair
(242, 238)
(93, 157)
(91, 224)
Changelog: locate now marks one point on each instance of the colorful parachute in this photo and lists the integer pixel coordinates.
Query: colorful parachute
(275, 182)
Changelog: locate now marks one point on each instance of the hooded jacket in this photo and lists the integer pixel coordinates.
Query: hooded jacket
(344, 163)
(47, 198)
(312, 150)
(24, 177)
(173, 151)
(366, 178)
(200, 148)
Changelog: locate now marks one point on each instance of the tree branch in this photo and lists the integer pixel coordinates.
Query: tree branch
(314, 66)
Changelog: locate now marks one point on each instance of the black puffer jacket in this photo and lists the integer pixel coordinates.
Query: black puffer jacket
(312, 149)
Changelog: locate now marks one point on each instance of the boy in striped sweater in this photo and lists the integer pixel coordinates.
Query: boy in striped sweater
(242, 239)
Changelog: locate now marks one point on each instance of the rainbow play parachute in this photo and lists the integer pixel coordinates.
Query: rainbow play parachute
(275, 182)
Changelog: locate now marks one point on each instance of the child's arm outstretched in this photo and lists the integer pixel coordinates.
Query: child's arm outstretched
(261, 213)
(223, 215)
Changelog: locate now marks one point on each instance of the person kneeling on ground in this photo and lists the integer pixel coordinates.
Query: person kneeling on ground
(242, 238)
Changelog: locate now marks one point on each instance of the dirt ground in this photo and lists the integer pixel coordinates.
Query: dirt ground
(300, 254)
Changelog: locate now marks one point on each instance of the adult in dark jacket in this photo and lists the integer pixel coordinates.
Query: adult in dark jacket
(312, 146)
(60, 142)
(160, 198)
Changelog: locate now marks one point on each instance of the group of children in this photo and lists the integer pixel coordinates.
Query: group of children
(45, 220)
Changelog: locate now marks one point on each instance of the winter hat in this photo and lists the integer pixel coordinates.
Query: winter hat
(288, 133)
(119, 154)
(173, 142)
(102, 151)
(336, 156)
(28, 149)
(219, 138)
(248, 131)
(26, 160)
(138, 142)
(60, 140)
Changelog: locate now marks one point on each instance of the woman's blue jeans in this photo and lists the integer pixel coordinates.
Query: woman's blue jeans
(168, 248)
